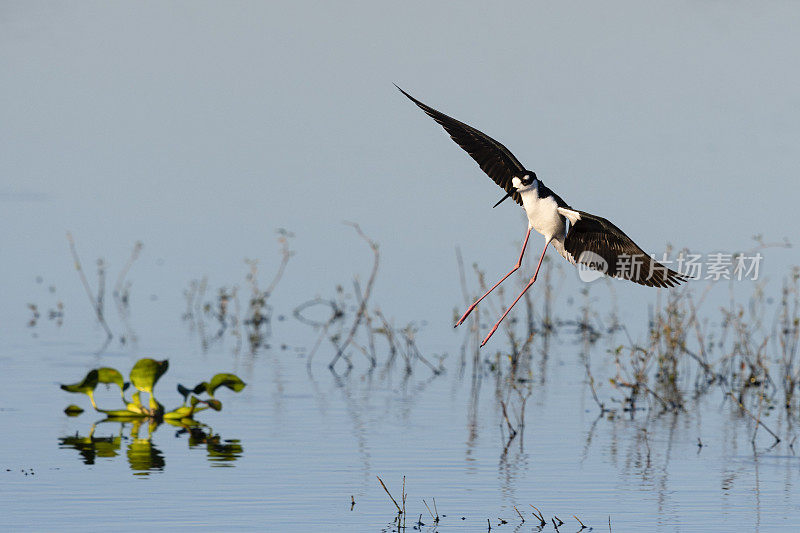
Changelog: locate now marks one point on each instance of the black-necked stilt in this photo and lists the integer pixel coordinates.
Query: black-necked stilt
(591, 241)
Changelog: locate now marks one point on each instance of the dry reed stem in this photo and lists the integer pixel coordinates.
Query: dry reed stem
(755, 419)
(591, 386)
(137, 248)
(540, 516)
(403, 494)
(367, 292)
(429, 510)
(96, 303)
(370, 330)
(511, 430)
(399, 511)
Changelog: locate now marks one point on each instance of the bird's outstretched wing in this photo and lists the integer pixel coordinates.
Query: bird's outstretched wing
(493, 158)
(621, 256)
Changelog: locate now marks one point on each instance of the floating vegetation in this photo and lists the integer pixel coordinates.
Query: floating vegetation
(143, 376)
(142, 454)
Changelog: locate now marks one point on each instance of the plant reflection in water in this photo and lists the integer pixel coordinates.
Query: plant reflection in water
(142, 453)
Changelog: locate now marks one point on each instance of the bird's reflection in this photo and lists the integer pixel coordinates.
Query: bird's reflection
(141, 451)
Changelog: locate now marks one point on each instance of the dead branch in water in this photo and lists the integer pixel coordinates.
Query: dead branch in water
(756, 419)
(97, 303)
(121, 292)
(399, 511)
(362, 309)
(286, 254)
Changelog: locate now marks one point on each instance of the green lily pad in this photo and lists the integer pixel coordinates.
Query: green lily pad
(145, 373)
(198, 389)
(184, 411)
(122, 413)
(231, 381)
(183, 391)
(214, 404)
(73, 410)
(111, 375)
(86, 386)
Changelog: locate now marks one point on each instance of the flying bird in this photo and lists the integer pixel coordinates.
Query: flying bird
(580, 237)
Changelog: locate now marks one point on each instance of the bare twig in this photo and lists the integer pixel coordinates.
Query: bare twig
(512, 432)
(403, 494)
(399, 511)
(286, 253)
(429, 511)
(540, 516)
(95, 302)
(367, 324)
(755, 419)
(137, 248)
(367, 292)
(121, 293)
(591, 386)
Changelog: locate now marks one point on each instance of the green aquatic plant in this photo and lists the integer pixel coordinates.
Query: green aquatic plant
(144, 376)
(86, 386)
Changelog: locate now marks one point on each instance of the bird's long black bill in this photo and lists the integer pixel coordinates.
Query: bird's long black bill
(503, 199)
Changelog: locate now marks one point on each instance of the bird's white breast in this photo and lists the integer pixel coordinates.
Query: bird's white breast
(543, 215)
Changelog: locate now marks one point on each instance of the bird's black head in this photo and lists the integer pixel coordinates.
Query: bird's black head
(524, 180)
(520, 183)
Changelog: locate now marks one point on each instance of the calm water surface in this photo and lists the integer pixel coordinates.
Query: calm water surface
(295, 445)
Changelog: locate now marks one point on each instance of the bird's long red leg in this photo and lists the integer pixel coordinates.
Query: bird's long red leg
(516, 267)
(528, 286)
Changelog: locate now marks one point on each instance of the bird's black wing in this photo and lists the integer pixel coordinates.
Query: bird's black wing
(623, 258)
(493, 158)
